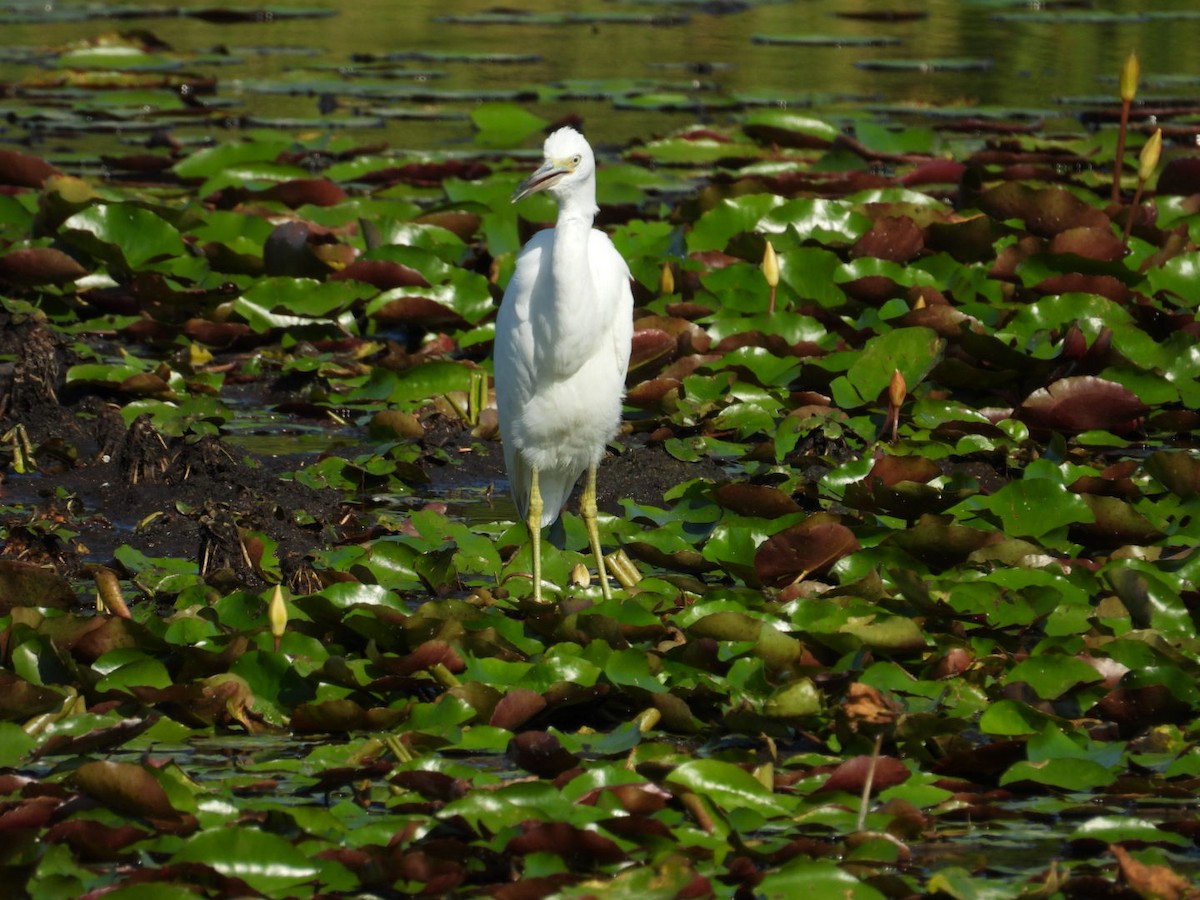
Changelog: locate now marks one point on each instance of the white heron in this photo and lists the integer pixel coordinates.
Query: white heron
(562, 350)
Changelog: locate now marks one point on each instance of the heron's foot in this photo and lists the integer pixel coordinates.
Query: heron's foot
(587, 509)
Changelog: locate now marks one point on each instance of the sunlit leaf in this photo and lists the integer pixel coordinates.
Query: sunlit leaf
(139, 236)
(1067, 774)
(727, 786)
(263, 860)
(1034, 507)
(911, 351)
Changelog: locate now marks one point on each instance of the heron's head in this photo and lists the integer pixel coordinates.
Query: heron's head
(568, 162)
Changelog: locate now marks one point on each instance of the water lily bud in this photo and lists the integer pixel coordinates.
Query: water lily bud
(897, 389)
(666, 279)
(770, 265)
(108, 592)
(198, 356)
(580, 576)
(277, 613)
(648, 719)
(622, 568)
(1151, 152)
(1129, 78)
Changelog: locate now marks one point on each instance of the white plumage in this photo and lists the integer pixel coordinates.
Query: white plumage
(562, 348)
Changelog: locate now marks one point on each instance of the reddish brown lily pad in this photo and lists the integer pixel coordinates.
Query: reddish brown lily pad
(895, 238)
(650, 394)
(1046, 212)
(851, 775)
(306, 192)
(803, 550)
(94, 840)
(418, 311)
(463, 224)
(381, 273)
(516, 708)
(1090, 243)
(125, 787)
(580, 848)
(755, 500)
(1180, 176)
(890, 470)
(1083, 403)
(652, 347)
(40, 265)
(23, 170)
(541, 753)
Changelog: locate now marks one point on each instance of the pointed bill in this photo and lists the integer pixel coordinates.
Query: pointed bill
(547, 174)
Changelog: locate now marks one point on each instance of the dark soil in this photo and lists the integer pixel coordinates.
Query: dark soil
(197, 499)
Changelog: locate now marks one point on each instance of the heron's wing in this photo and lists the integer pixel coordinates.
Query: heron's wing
(612, 277)
(513, 364)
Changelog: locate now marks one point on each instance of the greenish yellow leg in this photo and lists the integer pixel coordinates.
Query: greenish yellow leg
(535, 533)
(587, 509)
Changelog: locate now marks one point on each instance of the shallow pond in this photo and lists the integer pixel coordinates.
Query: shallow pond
(1016, 613)
(411, 75)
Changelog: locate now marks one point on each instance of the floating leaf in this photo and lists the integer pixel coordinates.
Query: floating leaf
(138, 234)
(24, 170)
(1066, 774)
(796, 700)
(1052, 676)
(1034, 507)
(265, 861)
(803, 550)
(911, 351)
(1178, 471)
(946, 64)
(1083, 403)
(850, 776)
(727, 786)
(504, 124)
(126, 788)
(1121, 829)
(40, 265)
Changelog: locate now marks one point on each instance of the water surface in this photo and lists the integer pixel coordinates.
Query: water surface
(395, 73)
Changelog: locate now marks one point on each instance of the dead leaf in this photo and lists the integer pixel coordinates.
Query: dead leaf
(1151, 882)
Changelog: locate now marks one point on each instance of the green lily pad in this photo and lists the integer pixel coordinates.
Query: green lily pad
(944, 64)
(123, 233)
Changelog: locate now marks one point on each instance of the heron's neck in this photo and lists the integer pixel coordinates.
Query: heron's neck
(579, 204)
(575, 316)
(572, 232)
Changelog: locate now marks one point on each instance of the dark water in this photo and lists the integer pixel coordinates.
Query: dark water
(631, 69)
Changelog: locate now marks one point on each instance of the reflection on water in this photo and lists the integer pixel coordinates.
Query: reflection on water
(316, 68)
(287, 441)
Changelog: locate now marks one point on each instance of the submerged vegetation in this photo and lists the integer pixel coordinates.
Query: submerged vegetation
(905, 519)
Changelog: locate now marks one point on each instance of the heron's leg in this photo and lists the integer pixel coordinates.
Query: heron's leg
(587, 509)
(535, 533)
